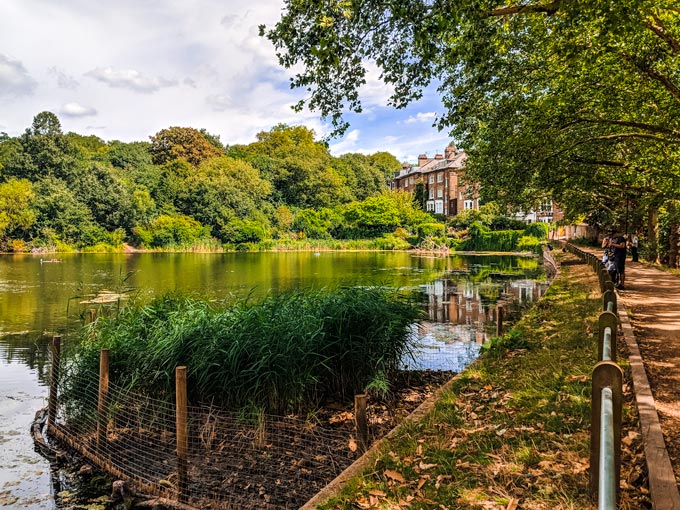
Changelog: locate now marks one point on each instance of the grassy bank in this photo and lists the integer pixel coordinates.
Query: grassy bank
(513, 430)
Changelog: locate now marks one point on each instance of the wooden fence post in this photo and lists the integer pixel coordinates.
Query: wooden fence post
(102, 401)
(361, 421)
(91, 315)
(54, 382)
(606, 374)
(609, 296)
(181, 403)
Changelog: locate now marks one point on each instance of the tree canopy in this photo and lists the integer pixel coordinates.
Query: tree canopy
(578, 101)
(180, 191)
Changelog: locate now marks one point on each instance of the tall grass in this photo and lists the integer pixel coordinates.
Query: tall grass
(285, 353)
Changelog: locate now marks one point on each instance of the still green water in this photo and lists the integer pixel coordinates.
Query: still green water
(39, 297)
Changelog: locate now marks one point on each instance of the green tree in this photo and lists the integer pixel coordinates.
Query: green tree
(299, 167)
(223, 190)
(106, 196)
(16, 214)
(59, 212)
(574, 101)
(183, 143)
(362, 177)
(44, 151)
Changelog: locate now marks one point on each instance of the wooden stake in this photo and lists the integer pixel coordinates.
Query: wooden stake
(361, 421)
(54, 382)
(102, 404)
(91, 315)
(182, 431)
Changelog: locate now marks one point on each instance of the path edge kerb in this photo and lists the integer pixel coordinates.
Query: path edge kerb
(663, 489)
(421, 411)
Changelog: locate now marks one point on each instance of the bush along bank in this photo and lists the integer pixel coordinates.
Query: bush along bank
(512, 431)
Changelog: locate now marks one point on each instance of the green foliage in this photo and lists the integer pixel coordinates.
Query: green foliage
(175, 231)
(315, 224)
(60, 213)
(183, 143)
(288, 352)
(229, 196)
(601, 137)
(529, 243)
(538, 230)
(430, 230)
(480, 238)
(16, 215)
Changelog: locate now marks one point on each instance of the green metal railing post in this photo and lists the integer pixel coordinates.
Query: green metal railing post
(605, 433)
(606, 344)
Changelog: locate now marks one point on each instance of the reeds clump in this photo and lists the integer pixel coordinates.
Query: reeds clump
(286, 353)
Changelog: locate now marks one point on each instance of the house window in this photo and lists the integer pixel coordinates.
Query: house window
(440, 177)
(405, 183)
(431, 194)
(468, 204)
(439, 207)
(410, 180)
(460, 196)
(431, 180)
(440, 193)
(429, 206)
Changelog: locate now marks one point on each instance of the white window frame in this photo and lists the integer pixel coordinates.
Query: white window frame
(431, 194)
(440, 177)
(440, 193)
(431, 179)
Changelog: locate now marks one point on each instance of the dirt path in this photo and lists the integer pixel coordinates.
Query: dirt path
(652, 298)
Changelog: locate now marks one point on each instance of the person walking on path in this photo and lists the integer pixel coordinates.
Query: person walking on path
(617, 242)
(634, 247)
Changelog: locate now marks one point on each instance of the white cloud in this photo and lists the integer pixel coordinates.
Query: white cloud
(130, 79)
(14, 79)
(77, 110)
(64, 81)
(219, 102)
(347, 144)
(422, 117)
(154, 64)
(374, 92)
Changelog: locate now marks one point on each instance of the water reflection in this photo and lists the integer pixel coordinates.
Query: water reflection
(459, 293)
(462, 315)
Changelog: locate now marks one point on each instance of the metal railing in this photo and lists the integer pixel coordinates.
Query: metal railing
(607, 384)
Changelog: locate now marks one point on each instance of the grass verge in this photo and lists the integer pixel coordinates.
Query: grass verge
(512, 432)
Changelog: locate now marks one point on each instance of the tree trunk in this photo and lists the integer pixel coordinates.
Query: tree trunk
(652, 248)
(674, 237)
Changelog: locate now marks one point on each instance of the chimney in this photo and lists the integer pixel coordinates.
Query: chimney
(422, 159)
(450, 152)
(438, 156)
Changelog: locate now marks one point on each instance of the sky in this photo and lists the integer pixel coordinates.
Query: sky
(124, 70)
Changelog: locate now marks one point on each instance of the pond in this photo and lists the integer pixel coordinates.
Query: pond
(40, 297)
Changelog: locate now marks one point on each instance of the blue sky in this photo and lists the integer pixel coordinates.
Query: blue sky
(126, 69)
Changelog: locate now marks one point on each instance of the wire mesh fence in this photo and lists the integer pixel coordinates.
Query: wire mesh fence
(233, 460)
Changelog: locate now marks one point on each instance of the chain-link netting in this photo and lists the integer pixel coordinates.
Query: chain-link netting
(235, 460)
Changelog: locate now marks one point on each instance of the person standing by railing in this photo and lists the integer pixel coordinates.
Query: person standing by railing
(619, 243)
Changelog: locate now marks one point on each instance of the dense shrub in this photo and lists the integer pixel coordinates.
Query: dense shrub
(167, 231)
(539, 230)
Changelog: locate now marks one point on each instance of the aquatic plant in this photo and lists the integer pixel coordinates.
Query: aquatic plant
(287, 352)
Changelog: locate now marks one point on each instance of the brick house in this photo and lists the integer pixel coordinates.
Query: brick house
(442, 179)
